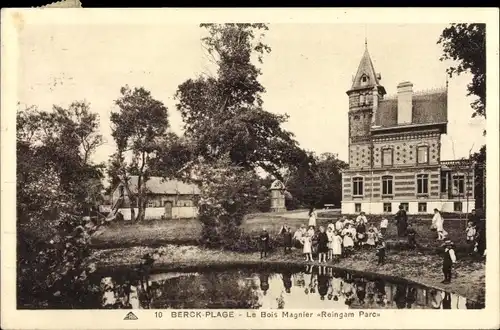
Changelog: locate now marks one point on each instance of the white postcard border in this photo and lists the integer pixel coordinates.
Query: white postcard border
(15, 19)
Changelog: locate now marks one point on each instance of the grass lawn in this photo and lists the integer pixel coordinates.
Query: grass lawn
(149, 233)
(186, 232)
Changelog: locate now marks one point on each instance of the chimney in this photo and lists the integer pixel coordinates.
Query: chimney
(405, 102)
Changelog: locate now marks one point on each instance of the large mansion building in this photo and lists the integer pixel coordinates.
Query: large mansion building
(394, 151)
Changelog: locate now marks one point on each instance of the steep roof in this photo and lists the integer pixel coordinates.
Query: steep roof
(365, 68)
(158, 185)
(428, 108)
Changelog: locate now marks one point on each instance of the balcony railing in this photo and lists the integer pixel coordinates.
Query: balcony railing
(458, 163)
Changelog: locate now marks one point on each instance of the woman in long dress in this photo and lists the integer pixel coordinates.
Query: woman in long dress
(402, 221)
(312, 217)
(437, 222)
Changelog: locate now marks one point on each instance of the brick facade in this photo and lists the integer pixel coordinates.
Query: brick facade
(397, 160)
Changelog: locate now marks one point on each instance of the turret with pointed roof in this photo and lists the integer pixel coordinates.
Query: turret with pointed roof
(366, 77)
(364, 96)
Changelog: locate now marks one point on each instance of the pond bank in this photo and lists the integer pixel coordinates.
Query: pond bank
(468, 275)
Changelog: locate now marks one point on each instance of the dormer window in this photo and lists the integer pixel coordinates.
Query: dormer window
(364, 80)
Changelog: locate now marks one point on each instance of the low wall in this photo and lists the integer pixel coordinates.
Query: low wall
(178, 212)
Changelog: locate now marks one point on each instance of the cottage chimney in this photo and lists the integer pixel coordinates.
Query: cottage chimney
(405, 103)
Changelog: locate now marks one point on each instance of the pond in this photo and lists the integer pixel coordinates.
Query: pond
(307, 287)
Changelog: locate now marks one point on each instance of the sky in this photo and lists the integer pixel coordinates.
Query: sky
(306, 75)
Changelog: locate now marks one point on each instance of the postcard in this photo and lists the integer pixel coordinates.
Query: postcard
(250, 168)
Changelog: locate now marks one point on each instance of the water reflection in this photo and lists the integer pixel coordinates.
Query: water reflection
(308, 287)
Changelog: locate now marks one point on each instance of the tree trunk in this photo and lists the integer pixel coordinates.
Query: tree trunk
(141, 190)
(131, 198)
(142, 209)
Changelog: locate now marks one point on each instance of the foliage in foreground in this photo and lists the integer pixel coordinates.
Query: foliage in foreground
(53, 172)
(466, 45)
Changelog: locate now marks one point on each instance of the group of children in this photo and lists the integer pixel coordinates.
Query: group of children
(338, 239)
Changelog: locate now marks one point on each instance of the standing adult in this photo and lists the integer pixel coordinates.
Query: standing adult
(322, 244)
(481, 238)
(480, 232)
(312, 217)
(287, 239)
(402, 221)
(264, 242)
(438, 223)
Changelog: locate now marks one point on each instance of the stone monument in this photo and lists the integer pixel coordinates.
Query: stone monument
(277, 196)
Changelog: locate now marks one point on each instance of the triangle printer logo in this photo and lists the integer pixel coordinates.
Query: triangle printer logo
(130, 316)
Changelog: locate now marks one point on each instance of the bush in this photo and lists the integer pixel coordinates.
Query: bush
(227, 194)
(53, 268)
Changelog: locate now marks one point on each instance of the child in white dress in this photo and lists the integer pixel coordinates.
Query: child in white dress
(336, 246)
(371, 238)
(312, 217)
(470, 233)
(348, 241)
(330, 233)
(307, 241)
(353, 232)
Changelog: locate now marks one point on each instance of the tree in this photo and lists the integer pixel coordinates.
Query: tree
(320, 184)
(227, 193)
(53, 157)
(173, 158)
(54, 175)
(479, 159)
(223, 114)
(466, 45)
(139, 128)
(229, 134)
